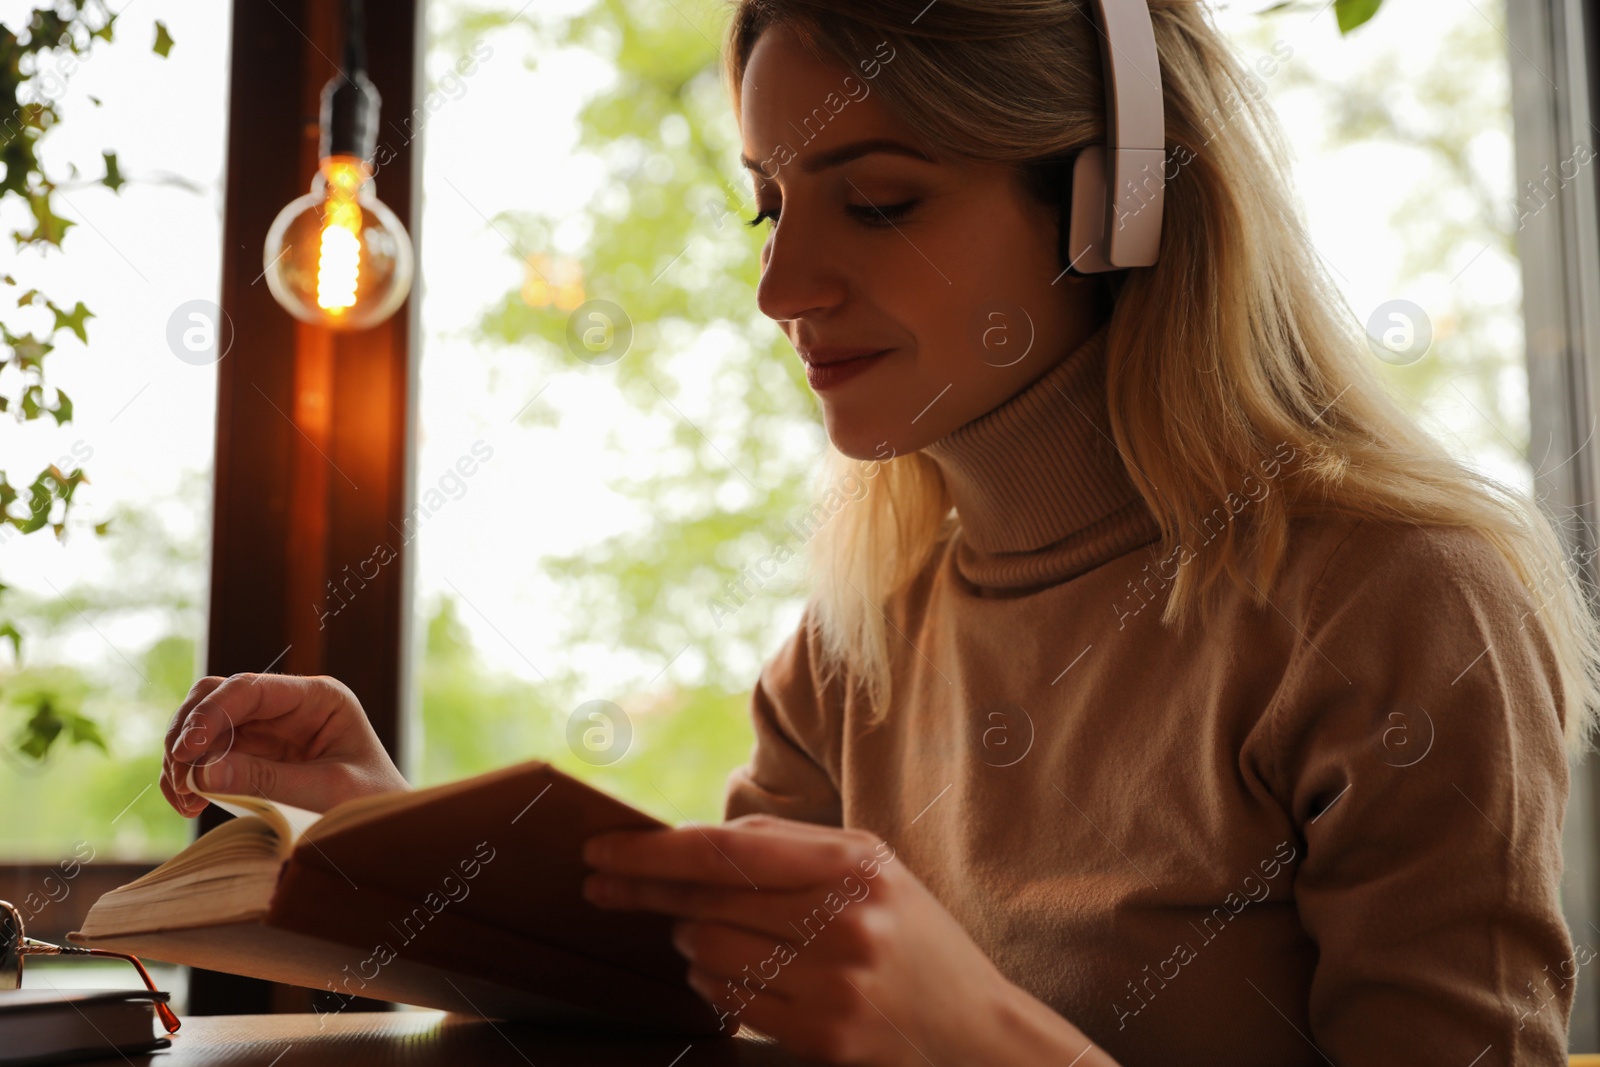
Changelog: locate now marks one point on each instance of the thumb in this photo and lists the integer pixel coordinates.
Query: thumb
(247, 775)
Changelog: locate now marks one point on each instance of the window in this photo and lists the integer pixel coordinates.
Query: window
(1403, 158)
(112, 625)
(636, 431)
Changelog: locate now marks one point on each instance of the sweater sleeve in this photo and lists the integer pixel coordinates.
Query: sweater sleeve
(1417, 742)
(794, 712)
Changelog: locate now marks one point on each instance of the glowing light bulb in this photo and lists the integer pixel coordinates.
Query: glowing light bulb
(338, 257)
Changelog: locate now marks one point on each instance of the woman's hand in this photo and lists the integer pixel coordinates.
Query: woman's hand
(822, 939)
(303, 741)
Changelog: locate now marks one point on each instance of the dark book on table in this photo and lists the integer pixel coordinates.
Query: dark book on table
(39, 1026)
(465, 896)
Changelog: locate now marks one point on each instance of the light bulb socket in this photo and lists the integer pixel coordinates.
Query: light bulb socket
(350, 116)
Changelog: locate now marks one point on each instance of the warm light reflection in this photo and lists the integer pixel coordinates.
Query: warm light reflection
(554, 283)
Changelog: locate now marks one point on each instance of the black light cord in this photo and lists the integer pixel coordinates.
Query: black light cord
(350, 100)
(355, 39)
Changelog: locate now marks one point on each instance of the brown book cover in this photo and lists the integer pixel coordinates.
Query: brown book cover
(40, 1026)
(465, 896)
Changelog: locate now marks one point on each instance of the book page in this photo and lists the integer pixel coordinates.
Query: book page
(286, 820)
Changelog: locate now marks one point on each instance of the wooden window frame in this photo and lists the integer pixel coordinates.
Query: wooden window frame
(315, 429)
(315, 434)
(1554, 48)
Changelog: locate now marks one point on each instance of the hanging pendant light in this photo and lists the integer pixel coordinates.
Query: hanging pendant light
(338, 257)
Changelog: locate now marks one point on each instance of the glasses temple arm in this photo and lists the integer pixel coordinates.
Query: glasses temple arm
(32, 947)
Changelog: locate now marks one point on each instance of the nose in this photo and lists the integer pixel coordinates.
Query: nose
(800, 272)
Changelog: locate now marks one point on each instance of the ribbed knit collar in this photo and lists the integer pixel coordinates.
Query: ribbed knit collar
(1040, 489)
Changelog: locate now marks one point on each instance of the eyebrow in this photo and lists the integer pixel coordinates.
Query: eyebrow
(845, 153)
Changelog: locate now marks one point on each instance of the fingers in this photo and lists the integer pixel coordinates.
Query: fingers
(755, 854)
(723, 953)
(312, 786)
(177, 791)
(245, 698)
(197, 692)
(173, 786)
(203, 728)
(764, 913)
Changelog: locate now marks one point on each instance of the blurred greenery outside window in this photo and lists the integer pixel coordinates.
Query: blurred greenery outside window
(590, 561)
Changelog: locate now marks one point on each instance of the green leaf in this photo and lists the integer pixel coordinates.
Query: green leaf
(48, 723)
(28, 350)
(63, 409)
(41, 730)
(51, 228)
(163, 39)
(1352, 13)
(11, 633)
(41, 497)
(72, 320)
(113, 179)
(34, 745)
(84, 730)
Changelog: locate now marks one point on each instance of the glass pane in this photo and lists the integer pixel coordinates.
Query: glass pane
(636, 432)
(1401, 138)
(110, 623)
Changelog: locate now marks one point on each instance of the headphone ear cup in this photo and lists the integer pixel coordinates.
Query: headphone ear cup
(1084, 228)
(1064, 219)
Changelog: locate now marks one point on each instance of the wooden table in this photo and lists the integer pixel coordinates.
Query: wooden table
(401, 1038)
(424, 1038)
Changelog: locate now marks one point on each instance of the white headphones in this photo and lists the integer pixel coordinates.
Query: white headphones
(1123, 229)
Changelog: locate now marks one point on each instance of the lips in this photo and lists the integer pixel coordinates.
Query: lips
(828, 375)
(823, 356)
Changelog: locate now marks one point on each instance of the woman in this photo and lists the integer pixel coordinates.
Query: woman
(1166, 695)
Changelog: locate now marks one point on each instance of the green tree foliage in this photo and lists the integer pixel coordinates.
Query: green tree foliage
(103, 792)
(663, 242)
(32, 71)
(1442, 113)
(684, 741)
(665, 245)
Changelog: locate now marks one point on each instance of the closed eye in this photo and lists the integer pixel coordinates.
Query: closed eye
(867, 214)
(884, 215)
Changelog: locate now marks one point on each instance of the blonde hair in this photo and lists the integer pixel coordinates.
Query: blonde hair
(1233, 342)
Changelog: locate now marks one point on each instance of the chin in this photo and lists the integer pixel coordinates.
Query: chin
(867, 443)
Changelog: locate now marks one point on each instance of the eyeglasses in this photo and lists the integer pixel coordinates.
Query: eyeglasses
(15, 944)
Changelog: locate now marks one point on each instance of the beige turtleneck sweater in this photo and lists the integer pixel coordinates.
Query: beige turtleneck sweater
(1324, 831)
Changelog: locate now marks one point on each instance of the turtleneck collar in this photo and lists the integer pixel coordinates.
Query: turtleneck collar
(1040, 489)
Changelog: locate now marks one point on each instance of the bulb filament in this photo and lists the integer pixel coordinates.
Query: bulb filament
(339, 255)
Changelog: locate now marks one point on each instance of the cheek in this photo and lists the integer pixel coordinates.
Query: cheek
(1001, 316)
(991, 314)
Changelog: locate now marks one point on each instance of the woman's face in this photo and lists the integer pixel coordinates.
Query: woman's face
(948, 267)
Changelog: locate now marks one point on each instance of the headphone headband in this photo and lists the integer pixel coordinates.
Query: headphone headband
(1122, 229)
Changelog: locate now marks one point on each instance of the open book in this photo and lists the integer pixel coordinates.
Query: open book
(465, 896)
